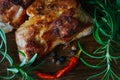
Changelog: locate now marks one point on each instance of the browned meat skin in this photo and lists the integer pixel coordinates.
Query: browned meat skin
(64, 27)
(51, 22)
(53, 8)
(28, 36)
(11, 13)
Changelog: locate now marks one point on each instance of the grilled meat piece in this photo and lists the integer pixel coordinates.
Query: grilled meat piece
(51, 23)
(11, 14)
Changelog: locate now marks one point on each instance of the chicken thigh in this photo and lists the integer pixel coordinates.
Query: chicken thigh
(51, 23)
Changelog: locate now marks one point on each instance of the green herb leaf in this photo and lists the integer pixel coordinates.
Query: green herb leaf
(3, 44)
(92, 66)
(22, 53)
(118, 3)
(96, 57)
(7, 77)
(23, 62)
(14, 70)
(32, 59)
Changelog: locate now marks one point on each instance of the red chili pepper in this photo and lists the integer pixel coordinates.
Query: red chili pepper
(45, 76)
(72, 63)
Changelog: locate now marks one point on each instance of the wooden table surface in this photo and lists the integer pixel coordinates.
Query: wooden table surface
(80, 72)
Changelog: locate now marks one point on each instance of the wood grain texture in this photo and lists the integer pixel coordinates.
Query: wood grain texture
(80, 72)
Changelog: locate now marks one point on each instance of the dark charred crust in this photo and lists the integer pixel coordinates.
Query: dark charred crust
(26, 3)
(31, 47)
(69, 19)
(34, 47)
(52, 6)
(40, 8)
(58, 23)
(23, 3)
(16, 2)
(55, 32)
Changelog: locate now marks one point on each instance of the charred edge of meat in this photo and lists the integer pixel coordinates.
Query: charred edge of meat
(23, 3)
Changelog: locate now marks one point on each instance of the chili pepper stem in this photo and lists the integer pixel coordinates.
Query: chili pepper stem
(78, 54)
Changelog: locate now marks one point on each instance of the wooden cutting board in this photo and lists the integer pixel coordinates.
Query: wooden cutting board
(80, 72)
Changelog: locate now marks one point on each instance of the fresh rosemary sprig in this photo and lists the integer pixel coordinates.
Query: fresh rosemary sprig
(14, 71)
(3, 48)
(106, 32)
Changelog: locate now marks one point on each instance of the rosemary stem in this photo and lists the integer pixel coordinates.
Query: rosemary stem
(108, 56)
